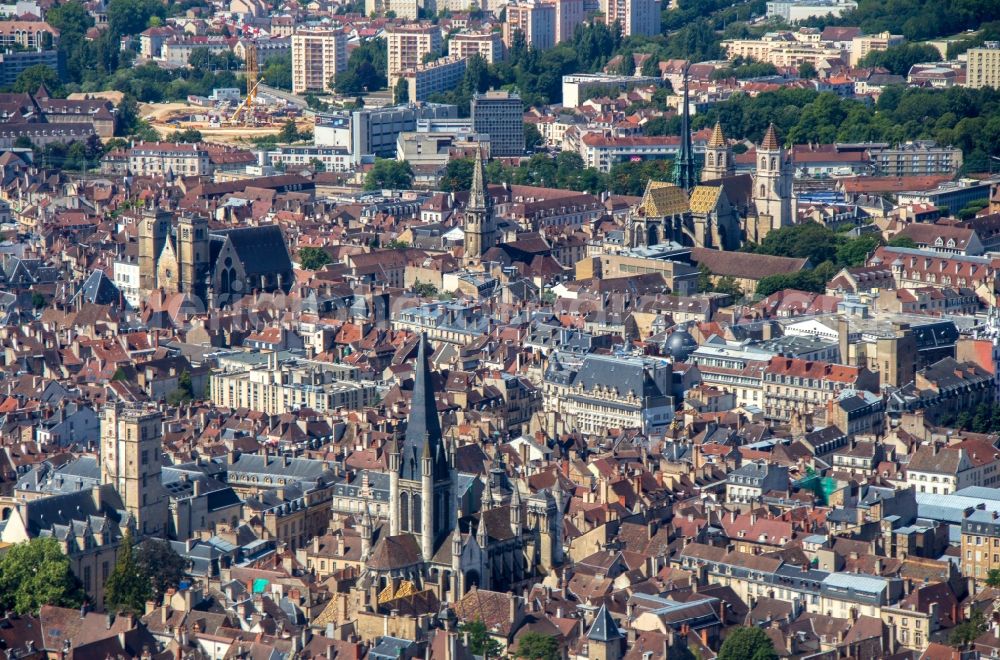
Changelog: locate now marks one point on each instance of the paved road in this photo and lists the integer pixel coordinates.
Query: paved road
(281, 94)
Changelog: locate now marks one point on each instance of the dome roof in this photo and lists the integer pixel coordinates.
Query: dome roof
(680, 344)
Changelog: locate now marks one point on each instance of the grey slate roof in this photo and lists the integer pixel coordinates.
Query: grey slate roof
(604, 628)
(99, 290)
(261, 249)
(424, 426)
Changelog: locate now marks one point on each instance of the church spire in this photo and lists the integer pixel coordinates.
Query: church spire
(479, 224)
(684, 168)
(478, 198)
(717, 139)
(770, 141)
(423, 430)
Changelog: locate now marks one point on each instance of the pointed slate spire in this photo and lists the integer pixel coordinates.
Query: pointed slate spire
(684, 168)
(423, 430)
(604, 628)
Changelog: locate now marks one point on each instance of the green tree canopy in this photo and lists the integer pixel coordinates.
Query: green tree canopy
(480, 641)
(33, 77)
(69, 17)
(277, 71)
(387, 173)
(127, 588)
(367, 69)
(289, 132)
(966, 632)
(314, 258)
(902, 242)
(160, 564)
(37, 573)
(747, 643)
(187, 135)
(538, 646)
(402, 92)
(745, 70)
(899, 59)
(532, 137)
(132, 16)
(457, 175)
(184, 391)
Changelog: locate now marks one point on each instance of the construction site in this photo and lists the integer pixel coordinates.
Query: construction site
(227, 116)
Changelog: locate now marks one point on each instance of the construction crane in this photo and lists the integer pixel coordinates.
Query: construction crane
(253, 81)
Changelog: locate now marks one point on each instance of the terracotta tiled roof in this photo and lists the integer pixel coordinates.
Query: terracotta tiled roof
(770, 141)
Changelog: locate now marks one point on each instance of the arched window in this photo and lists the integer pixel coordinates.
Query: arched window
(774, 164)
(763, 163)
(711, 159)
(763, 190)
(418, 514)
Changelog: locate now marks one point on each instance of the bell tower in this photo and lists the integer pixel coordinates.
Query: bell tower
(772, 193)
(718, 156)
(480, 225)
(131, 450)
(684, 167)
(192, 254)
(154, 228)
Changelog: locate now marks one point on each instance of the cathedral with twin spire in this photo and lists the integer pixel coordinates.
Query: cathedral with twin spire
(449, 531)
(722, 210)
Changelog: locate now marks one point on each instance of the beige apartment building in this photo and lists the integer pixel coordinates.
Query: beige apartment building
(869, 43)
(535, 20)
(158, 158)
(487, 45)
(794, 386)
(983, 67)
(408, 9)
(318, 54)
(782, 49)
(277, 388)
(980, 544)
(636, 17)
(438, 76)
(406, 46)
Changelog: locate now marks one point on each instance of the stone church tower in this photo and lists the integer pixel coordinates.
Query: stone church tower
(193, 255)
(131, 450)
(718, 157)
(154, 230)
(480, 224)
(772, 186)
(420, 474)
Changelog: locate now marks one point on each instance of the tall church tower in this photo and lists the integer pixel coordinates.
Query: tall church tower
(154, 228)
(718, 157)
(192, 254)
(684, 167)
(131, 450)
(480, 225)
(772, 194)
(420, 493)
